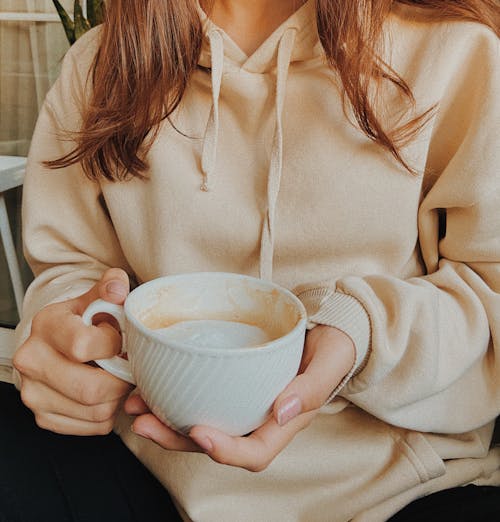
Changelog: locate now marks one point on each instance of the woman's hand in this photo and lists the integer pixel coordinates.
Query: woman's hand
(328, 356)
(66, 395)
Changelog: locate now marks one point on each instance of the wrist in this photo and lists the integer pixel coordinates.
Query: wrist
(342, 311)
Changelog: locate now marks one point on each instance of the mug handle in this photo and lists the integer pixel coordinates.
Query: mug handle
(117, 366)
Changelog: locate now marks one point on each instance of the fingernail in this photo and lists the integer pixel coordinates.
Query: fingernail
(205, 444)
(116, 288)
(288, 409)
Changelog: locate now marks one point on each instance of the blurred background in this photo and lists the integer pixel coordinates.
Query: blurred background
(32, 45)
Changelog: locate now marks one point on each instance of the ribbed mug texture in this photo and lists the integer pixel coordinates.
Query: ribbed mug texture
(233, 392)
(230, 389)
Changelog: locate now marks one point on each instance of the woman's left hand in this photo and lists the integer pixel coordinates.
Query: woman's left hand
(328, 356)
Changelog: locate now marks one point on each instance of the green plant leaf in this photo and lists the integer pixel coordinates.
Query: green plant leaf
(81, 23)
(100, 11)
(69, 26)
(95, 12)
(91, 12)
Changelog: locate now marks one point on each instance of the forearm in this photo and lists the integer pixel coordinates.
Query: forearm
(431, 363)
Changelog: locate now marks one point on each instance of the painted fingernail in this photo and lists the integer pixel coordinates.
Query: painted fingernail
(205, 444)
(288, 409)
(116, 288)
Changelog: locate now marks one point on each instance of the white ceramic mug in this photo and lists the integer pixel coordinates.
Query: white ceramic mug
(189, 371)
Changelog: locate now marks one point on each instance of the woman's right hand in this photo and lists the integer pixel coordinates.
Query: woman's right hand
(67, 395)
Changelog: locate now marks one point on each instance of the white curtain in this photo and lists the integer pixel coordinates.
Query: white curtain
(30, 56)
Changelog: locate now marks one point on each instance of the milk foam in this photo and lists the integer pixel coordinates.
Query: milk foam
(208, 333)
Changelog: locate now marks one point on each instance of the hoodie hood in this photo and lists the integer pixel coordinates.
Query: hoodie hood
(295, 40)
(306, 45)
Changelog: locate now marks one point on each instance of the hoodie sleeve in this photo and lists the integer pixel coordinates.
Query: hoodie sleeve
(428, 348)
(69, 240)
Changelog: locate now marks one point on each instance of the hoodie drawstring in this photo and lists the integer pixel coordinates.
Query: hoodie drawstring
(209, 153)
(285, 48)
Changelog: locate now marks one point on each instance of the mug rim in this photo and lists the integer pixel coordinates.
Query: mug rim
(269, 346)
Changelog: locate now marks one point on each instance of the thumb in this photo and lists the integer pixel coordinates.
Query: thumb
(329, 356)
(113, 287)
(300, 396)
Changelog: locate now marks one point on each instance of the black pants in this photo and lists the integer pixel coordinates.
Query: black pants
(46, 477)
(467, 504)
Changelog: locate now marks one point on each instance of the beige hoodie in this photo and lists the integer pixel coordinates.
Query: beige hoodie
(269, 178)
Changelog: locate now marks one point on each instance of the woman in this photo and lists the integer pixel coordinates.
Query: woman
(348, 151)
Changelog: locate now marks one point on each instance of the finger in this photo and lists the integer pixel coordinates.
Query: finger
(82, 383)
(62, 325)
(135, 405)
(150, 427)
(329, 357)
(69, 426)
(113, 286)
(59, 327)
(40, 398)
(255, 452)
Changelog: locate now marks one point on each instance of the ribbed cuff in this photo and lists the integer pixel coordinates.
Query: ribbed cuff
(346, 313)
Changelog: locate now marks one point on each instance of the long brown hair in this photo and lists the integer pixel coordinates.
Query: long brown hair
(149, 49)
